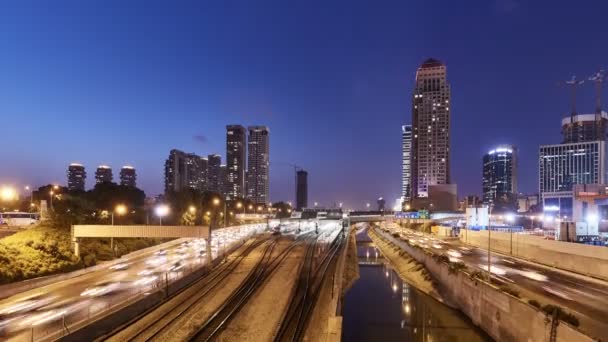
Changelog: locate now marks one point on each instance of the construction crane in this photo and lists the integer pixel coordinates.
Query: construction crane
(573, 83)
(598, 78)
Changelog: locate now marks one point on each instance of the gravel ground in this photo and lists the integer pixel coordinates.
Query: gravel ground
(408, 268)
(318, 324)
(259, 319)
(201, 310)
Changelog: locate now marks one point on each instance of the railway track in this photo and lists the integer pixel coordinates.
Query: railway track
(264, 268)
(186, 298)
(309, 286)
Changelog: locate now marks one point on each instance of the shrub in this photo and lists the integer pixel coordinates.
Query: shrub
(562, 315)
(456, 267)
(534, 303)
(507, 289)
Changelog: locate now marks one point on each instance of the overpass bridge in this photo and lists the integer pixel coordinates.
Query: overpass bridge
(135, 231)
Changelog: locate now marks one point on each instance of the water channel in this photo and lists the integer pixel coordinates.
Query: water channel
(382, 307)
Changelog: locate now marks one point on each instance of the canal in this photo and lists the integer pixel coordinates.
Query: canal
(382, 307)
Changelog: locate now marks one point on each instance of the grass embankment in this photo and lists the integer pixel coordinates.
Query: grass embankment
(45, 250)
(406, 266)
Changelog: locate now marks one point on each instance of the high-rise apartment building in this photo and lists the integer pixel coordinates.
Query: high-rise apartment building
(258, 164)
(430, 128)
(406, 164)
(76, 177)
(214, 173)
(128, 177)
(103, 174)
(235, 160)
(184, 171)
(301, 189)
(499, 173)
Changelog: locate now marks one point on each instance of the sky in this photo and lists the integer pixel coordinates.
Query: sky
(124, 82)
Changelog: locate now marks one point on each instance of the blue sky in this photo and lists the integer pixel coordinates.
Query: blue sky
(115, 82)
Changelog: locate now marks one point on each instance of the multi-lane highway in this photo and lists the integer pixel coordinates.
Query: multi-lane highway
(585, 296)
(49, 312)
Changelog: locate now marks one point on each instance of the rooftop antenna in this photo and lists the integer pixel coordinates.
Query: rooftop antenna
(598, 78)
(573, 83)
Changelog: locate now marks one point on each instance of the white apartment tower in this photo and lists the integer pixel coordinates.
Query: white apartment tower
(430, 128)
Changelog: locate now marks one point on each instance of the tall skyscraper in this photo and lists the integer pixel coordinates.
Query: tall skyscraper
(214, 173)
(235, 160)
(301, 189)
(431, 128)
(103, 174)
(500, 173)
(76, 177)
(406, 164)
(203, 176)
(183, 171)
(128, 177)
(258, 164)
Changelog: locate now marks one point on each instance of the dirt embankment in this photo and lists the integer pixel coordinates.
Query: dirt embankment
(407, 268)
(351, 267)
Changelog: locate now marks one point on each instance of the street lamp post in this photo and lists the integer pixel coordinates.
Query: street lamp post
(489, 243)
(161, 210)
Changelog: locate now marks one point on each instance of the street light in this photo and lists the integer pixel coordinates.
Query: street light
(192, 209)
(51, 193)
(120, 210)
(161, 211)
(8, 194)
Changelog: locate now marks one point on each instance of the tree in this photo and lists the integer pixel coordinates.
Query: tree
(283, 210)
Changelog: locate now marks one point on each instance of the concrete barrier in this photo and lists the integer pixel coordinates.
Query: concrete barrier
(502, 316)
(584, 259)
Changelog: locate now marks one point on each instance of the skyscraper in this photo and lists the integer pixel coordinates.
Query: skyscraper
(103, 174)
(128, 177)
(500, 174)
(214, 163)
(258, 164)
(431, 128)
(235, 160)
(301, 189)
(183, 171)
(76, 177)
(203, 175)
(406, 164)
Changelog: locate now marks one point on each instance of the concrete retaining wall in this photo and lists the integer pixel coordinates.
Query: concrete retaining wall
(502, 316)
(584, 259)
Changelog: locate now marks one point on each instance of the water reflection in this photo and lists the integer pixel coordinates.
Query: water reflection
(381, 307)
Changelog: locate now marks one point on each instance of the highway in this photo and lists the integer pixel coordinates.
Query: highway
(586, 297)
(48, 312)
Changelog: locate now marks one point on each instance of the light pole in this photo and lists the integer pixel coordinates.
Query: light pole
(51, 194)
(161, 210)
(489, 242)
(120, 210)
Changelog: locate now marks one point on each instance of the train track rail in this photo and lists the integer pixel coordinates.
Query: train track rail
(185, 299)
(295, 321)
(262, 270)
